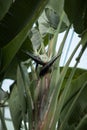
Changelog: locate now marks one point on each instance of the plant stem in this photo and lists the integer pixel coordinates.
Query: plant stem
(56, 34)
(67, 84)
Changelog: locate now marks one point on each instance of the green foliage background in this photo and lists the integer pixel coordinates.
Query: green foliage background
(57, 100)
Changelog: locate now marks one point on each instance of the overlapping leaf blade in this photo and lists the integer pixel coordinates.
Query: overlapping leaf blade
(4, 7)
(15, 107)
(77, 14)
(20, 13)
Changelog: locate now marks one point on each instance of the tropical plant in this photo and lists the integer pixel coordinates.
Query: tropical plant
(44, 96)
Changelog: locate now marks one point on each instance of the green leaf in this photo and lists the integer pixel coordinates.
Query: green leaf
(21, 91)
(78, 73)
(83, 123)
(4, 7)
(36, 38)
(77, 14)
(76, 109)
(11, 72)
(76, 85)
(54, 18)
(10, 50)
(15, 107)
(20, 13)
(0, 57)
(30, 104)
(58, 7)
(44, 26)
(49, 21)
(27, 45)
(84, 37)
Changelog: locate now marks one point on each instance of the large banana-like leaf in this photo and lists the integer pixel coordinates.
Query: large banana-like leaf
(4, 7)
(10, 73)
(20, 13)
(77, 14)
(10, 50)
